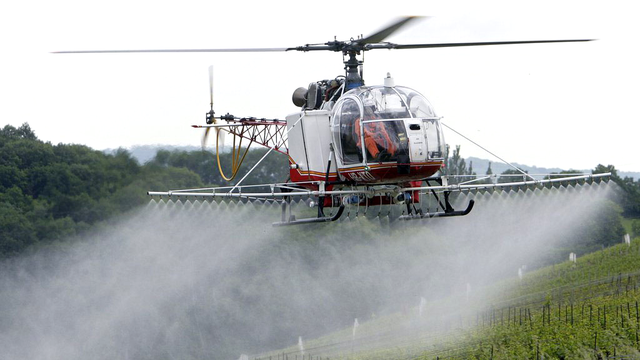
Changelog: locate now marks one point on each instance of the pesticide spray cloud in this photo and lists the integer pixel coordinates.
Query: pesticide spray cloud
(207, 280)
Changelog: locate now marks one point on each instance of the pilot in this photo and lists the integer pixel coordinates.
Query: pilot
(376, 138)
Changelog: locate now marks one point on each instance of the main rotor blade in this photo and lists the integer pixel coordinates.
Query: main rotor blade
(172, 51)
(384, 33)
(442, 45)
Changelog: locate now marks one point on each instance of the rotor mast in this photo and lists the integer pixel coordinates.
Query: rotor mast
(353, 69)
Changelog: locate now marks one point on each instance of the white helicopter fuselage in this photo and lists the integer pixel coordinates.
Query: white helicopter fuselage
(371, 135)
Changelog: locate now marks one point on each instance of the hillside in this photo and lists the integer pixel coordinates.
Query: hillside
(582, 310)
(480, 167)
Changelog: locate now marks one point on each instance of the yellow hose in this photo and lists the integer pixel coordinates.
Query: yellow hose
(236, 161)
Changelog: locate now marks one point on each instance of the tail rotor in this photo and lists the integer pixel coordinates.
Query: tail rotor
(211, 117)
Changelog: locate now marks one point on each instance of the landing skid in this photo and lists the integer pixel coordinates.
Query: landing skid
(447, 209)
(412, 213)
(289, 219)
(451, 212)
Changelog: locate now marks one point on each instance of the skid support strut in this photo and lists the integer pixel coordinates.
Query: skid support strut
(288, 218)
(447, 209)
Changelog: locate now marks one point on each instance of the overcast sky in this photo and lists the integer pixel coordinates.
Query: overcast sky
(555, 105)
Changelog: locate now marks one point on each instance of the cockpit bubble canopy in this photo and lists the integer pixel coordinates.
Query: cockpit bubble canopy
(382, 109)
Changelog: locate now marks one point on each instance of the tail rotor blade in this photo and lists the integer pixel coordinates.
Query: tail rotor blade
(205, 136)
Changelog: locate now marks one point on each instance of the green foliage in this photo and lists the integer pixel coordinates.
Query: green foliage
(596, 233)
(51, 192)
(635, 228)
(273, 169)
(508, 179)
(630, 201)
(592, 313)
(456, 165)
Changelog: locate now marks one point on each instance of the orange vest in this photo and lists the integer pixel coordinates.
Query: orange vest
(375, 134)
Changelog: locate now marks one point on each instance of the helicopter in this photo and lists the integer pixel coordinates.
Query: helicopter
(350, 144)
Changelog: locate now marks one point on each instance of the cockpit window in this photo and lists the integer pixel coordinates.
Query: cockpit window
(384, 140)
(349, 115)
(418, 105)
(383, 103)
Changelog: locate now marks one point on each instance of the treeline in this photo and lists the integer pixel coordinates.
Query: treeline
(602, 231)
(53, 192)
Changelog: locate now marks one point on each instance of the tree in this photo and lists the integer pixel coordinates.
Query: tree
(630, 202)
(273, 169)
(510, 176)
(50, 192)
(635, 228)
(23, 132)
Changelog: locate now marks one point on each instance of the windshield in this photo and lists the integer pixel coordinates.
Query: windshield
(393, 103)
(344, 124)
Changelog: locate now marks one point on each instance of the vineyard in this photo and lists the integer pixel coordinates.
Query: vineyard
(586, 308)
